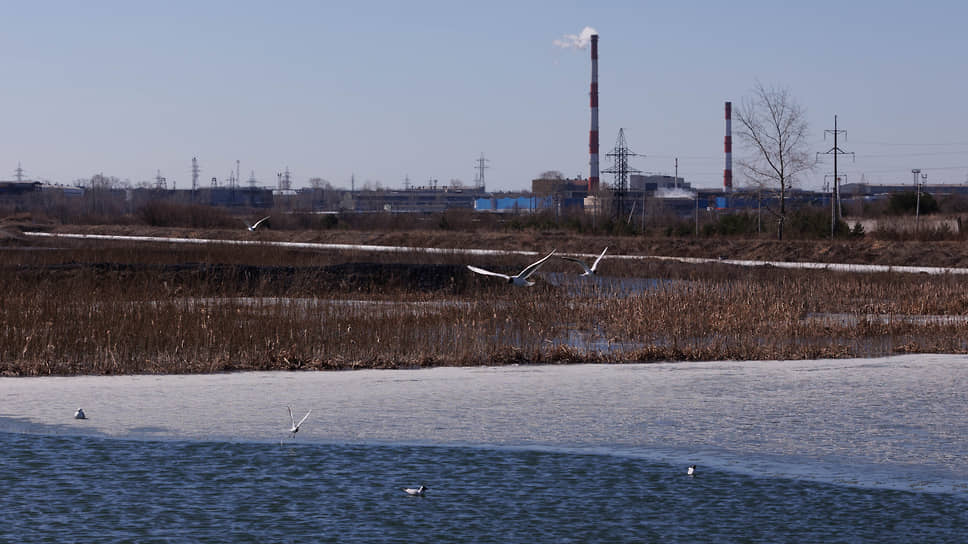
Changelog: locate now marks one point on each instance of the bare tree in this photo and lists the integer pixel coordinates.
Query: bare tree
(773, 128)
(320, 183)
(102, 182)
(551, 174)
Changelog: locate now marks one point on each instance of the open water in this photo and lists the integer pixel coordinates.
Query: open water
(866, 450)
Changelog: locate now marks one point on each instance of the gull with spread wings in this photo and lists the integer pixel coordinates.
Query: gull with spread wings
(295, 426)
(588, 271)
(256, 225)
(521, 279)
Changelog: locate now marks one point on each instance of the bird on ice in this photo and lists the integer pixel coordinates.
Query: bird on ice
(415, 491)
(79, 414)
(256, 225)
(692, 470)
(295, 426)
(588, 271)
(521, 279)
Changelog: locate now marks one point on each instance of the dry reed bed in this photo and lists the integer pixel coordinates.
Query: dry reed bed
(125, 319)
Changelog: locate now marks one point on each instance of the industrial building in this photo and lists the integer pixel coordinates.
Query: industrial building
(513, 204)
(657, 183)
(561, 194)
(410, 200)
(873, 190)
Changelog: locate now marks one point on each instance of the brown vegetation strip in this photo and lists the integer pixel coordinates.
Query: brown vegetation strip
(126, 308)
(852, 251)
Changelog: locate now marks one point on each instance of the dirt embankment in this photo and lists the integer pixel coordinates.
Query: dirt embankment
(858, 251)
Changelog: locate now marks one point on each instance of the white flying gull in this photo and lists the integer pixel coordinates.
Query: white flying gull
(295, 426)
(588, 271)
(416, 491)
(255, 225)
(79, 414)
(521, 279)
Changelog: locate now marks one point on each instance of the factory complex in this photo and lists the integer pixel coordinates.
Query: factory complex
(631, 194)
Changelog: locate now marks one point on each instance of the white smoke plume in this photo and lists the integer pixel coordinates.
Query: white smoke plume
(576, 41)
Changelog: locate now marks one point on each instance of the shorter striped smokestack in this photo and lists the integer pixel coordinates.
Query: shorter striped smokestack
(593, 133)
(728, 172)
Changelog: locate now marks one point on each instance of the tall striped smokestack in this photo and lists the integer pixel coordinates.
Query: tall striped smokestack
(728, 172)
(593, 133)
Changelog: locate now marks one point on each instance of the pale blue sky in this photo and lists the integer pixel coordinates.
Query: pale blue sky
(384, 90)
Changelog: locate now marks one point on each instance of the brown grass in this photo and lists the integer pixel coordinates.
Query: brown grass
(80, 307)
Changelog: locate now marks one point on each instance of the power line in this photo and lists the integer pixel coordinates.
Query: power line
(913, 145)
(835, 211)
(925, 154)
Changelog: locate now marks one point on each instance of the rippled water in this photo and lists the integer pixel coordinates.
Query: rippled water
(809, 451)
(111, 490)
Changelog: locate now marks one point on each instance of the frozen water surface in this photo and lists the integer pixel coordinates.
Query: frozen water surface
(898, 422)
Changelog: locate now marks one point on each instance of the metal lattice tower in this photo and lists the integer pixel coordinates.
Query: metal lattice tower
(20, 173)
(161, 182)
(285, 182)
(621, 170)
(481, 165)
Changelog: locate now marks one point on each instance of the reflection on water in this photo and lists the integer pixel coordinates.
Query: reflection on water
(594, 341)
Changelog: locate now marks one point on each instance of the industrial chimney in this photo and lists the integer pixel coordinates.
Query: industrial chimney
(728, 172)
(593, 133)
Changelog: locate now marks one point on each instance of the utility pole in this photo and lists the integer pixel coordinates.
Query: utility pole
(917, 205)
(835, 211)
(697, 213)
